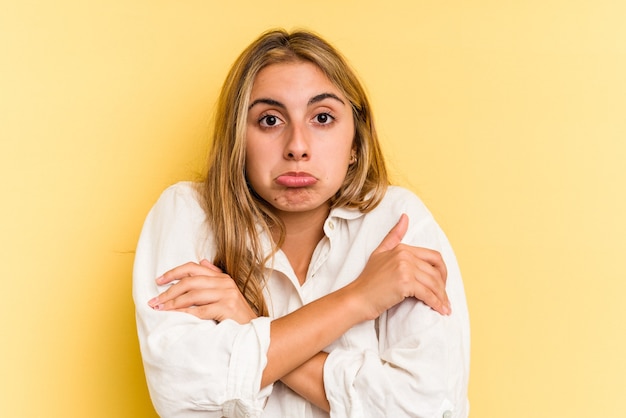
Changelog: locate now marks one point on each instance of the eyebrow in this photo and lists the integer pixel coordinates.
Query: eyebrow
(270, 102)
(313, 100)
(324, 96)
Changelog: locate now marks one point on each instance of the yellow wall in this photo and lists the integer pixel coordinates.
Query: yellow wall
(507, 117)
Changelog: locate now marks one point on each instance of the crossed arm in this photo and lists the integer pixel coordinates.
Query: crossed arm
(394, 272)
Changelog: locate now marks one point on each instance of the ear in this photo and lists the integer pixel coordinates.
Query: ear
(353, 156)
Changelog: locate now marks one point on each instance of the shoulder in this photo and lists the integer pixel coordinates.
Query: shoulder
(177, 208)
(398, 200)
(182, 196)
(184, 191)
(423, 228)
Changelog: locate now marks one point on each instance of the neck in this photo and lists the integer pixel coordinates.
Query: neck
(303, 231)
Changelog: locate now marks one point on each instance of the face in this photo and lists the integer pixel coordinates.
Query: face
(299, 138)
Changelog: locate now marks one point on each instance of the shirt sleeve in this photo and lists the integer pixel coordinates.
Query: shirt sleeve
(421, 367)
(193, 367)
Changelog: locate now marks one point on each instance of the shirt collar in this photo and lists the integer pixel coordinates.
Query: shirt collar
(345, 213)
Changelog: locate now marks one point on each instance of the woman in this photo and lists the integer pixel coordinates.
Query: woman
(283, 287)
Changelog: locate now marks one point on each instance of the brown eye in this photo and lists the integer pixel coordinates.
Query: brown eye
(323, 118)
(268, 121)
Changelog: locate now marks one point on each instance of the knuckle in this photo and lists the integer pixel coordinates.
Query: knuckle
(231, 305)
(434, 253)
(404, 250)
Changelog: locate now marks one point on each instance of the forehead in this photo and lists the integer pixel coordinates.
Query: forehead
(291, 78)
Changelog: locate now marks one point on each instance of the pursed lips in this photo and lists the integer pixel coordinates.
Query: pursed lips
(296, 179)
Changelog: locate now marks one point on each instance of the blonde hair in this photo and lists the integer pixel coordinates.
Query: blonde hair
(235, 213)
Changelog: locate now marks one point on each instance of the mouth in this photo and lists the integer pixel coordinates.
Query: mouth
(296, 179)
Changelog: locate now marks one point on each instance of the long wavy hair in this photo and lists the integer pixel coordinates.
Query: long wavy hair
(236, 215)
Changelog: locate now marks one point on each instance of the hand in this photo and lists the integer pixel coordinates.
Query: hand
(396, 271)
(202, 290)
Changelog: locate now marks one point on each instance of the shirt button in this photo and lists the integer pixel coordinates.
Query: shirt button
(447, 414)
(331, 225)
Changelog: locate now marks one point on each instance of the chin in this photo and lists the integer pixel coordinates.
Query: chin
(300, 201)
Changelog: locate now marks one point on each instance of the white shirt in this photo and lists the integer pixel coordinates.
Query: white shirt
(411, 362)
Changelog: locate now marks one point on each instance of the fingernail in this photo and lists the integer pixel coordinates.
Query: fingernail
(159, 279)
(152, 302)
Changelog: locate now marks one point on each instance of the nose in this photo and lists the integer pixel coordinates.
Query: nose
(297, 146)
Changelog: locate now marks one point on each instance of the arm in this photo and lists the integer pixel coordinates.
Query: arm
(421, 366)
(308, 381)
(393, 272)
(192, 366)
(420, 369)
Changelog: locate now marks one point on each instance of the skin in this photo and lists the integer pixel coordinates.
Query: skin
(300, 131)
(299, 124)
(299, 145)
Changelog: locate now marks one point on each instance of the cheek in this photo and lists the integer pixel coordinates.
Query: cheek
(253, 178)
(253, 155)
(339, 164)
(342, 150)
(252, 169)
(258, 167)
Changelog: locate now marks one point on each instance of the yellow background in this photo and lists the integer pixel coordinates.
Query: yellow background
(507, 117)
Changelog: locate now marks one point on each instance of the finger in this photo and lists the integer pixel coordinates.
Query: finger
(434, 258)
(185, 285)
(206, 312)
(185, 270)
(430, 277)
(430, 299)
(218, 312)
(206, 263)
(190, 299)
(394, 236)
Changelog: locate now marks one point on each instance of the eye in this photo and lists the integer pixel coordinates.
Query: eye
(268, 121)
(324, 118)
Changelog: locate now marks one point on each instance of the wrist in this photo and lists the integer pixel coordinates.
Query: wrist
(356, 304)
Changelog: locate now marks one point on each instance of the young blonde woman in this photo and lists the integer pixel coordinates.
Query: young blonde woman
(295, 281)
